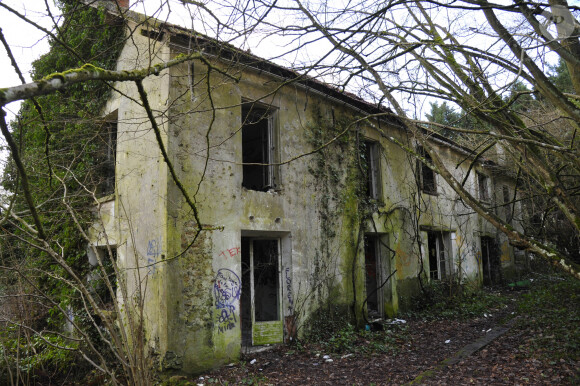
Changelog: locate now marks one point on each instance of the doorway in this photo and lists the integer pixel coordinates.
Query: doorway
(377, 270)
(490, 261)
(440, 264)
(261, 309)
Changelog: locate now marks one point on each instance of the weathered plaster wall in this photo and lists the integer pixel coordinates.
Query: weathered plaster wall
(318, 211)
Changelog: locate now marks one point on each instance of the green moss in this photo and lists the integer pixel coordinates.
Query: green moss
(60, 146)
(344, 208)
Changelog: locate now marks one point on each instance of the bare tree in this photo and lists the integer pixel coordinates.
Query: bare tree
(469, 53)
(396, 53)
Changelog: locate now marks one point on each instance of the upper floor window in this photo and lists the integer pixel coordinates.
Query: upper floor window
(483, 187)
(370, 157)
(259, 147)
(106, 155)
(426, 175)
(507, 205)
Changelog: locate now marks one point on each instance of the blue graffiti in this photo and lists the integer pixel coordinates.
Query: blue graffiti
(227, 288)
(153, 252)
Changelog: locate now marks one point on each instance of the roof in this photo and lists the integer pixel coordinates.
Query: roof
(181, 37)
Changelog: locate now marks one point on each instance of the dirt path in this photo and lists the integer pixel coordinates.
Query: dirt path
(420, 353)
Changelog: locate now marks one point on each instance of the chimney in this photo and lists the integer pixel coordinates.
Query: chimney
(123, 3)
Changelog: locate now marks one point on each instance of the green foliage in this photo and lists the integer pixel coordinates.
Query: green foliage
(342, 340)
(560, 77)
(39, 357)
(551, 314)
(64, 143)
(333, 332)
(521, 98)
(348, 340)
(443, 114)
(444, 301)
(323, 323)
(62, 148)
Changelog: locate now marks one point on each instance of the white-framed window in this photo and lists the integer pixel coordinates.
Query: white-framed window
(440, 257)
(259, 147)
(371, 160)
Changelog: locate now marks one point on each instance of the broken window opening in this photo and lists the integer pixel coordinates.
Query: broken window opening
(106, 155)
(507, 207)
(258, 147)
(370, 157)
(260, 298)
(427, 179)
(483, 187)
(439, 255)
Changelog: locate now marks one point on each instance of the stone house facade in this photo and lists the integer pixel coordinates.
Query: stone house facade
(305, 203)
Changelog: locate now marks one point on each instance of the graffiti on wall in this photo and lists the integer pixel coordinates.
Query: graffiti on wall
(226, 289)
(230, 252)
(154, 247)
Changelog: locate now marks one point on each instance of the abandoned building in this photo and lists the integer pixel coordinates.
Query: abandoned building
(304, 203)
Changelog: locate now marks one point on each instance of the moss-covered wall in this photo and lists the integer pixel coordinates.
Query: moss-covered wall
(319, 211)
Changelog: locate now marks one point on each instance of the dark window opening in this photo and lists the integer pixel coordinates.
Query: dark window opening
(258, 147)
(152, 34)
(426, 174)
(105, 157)
(439, 257)
(507, 207)
(490, 261)
(370, 157)
(483, 187)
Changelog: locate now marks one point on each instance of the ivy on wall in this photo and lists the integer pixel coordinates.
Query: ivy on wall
(62, 141)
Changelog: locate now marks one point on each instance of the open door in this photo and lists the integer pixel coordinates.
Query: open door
(262, 321)
(440, 264)
(373, 277)
(490, 261)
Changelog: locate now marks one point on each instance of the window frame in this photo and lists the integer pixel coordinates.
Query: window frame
(109, 135)
(483, 187)
(372, 154)
(267, 167)
(442, 248)
(507, 203)
(423, 170)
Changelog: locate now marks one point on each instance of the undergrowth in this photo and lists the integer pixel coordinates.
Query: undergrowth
(331, 333)
(550, 313)
(442, 301)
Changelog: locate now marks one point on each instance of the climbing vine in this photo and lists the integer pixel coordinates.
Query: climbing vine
(339, 172)
(63, 140)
